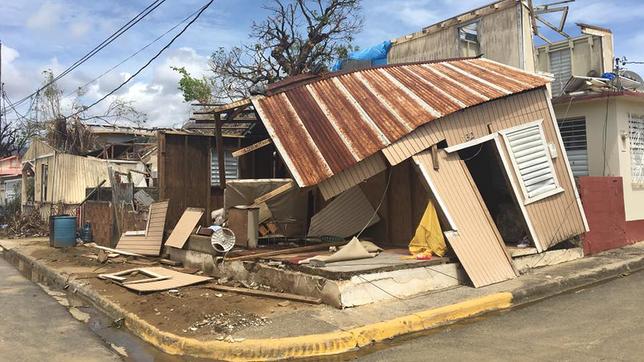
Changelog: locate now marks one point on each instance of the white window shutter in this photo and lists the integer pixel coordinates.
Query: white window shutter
(532, 160)
(636, 138)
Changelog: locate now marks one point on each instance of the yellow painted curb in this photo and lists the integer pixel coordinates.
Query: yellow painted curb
(316, 344)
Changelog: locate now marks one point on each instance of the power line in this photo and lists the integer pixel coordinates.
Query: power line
(201, 10)
(145, 12)
(133, 54)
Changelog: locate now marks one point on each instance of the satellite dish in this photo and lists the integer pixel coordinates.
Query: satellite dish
(634, 77)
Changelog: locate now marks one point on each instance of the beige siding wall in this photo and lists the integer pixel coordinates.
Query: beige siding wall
(555, 218)
(476, 242)
(589, 52)
(504, 36)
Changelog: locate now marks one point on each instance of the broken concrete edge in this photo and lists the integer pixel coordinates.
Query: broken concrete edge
(331, 343)
(549, 288)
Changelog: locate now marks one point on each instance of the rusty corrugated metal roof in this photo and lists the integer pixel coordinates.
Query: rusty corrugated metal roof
(328, 125)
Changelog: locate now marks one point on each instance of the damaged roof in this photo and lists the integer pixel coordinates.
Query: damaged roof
(328, 125)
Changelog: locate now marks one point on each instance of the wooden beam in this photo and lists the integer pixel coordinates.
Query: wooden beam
(434, 150)
(301, 249)
(253, 147)
(219, 139)
(263, 293)
(278, 191)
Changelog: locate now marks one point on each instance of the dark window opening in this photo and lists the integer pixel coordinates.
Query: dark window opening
(485, 165)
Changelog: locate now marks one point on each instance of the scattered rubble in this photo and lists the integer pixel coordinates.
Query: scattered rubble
(227, 322)
(23, 225)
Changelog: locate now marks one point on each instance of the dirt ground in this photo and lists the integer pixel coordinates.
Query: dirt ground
(193, 311)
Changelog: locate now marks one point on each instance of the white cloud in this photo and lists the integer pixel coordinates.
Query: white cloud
(46, 17)
(79, 28)
(157, 96)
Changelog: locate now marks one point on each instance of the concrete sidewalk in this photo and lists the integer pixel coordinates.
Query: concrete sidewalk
(322, 330)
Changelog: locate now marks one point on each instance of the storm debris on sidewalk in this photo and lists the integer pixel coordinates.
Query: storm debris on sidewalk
(227, 322)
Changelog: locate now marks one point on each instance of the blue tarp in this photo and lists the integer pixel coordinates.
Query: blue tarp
(376, 54)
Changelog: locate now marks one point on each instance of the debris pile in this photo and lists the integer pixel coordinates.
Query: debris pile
(24, 225)
(228, 322)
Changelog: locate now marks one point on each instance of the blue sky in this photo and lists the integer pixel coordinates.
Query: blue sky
(52, 34)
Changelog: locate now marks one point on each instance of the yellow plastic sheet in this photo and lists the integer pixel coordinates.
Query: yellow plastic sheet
(429, 239)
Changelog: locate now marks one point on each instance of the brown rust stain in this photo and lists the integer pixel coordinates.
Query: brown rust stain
(382, 117)
(333, 149)
(469, 82)
(456, 91)
(365, 141)
(304, 159)
(402, 103)
(502, 82)
(431, 96)
(531, 79)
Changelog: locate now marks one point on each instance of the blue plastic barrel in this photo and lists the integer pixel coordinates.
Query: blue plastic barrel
(64, 231)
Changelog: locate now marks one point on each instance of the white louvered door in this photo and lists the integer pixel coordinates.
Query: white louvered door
(531, 160)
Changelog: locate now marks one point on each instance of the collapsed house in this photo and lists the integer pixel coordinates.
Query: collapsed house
(596, 100)
(55, 180)
(368, 153)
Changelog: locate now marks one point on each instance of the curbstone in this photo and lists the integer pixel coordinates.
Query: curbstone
(316, 345)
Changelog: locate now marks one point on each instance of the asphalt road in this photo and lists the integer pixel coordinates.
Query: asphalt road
(34, 327)
(601, 323)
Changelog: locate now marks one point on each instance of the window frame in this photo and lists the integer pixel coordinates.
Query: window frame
(640, 182)
(464, 42)
(527, 199)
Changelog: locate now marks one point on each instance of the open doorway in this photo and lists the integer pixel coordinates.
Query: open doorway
(485, 165)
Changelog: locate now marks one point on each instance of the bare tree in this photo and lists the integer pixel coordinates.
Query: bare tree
(299, 36)
(69, 133)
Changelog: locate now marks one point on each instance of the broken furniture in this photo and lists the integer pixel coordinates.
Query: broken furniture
(184, 227)
(148, 241)
(244, 221)
(156, 279)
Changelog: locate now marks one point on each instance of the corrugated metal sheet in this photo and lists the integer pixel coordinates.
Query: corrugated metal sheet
(344, 216)
(476, 242)
(231, 163)
(350, 177)
(328, 125)
(69, 176)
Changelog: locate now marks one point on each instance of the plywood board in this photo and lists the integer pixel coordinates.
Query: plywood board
(344, 216)
(150, 243)
(184, 227)
(474, 237)
(175, 280)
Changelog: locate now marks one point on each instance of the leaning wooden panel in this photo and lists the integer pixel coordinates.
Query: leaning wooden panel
(184, 227)
(150, 243)
(344, 216)
(476, 241)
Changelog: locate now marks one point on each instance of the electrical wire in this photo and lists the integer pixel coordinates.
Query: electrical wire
(201, 10)
(140, 16)
(375, 212)
(133, 54)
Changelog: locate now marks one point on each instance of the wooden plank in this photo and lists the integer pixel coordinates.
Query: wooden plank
(252, 147)
(268, 294)
(184, 227)
(278, 191)
(322, 246)
(122, 252)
